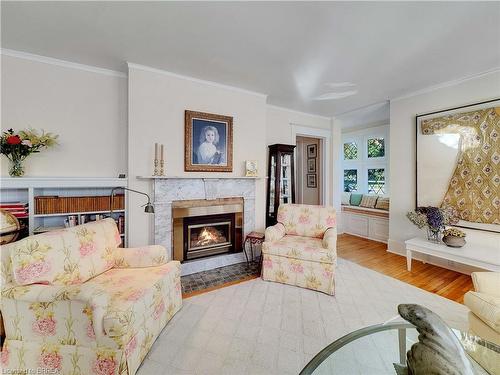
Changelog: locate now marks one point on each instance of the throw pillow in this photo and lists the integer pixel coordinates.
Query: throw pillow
(382, 204)
(356, 199)
(346, 198)
(368, 201)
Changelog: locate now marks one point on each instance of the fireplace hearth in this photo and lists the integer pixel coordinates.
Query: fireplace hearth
(203, 228)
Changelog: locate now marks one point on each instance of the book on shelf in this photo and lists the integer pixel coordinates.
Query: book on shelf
(18, 209)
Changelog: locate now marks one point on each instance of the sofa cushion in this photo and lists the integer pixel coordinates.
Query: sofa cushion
(306, 220)
(139, 299)
(356, 199)
(382, 203)
(486, 307)
(67, 256)
(368, 201)
(346, 198)
(297, 247)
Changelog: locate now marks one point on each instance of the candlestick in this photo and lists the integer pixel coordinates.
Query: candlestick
(156, 168)
(161, 152)
(162, 171)
(156, 151)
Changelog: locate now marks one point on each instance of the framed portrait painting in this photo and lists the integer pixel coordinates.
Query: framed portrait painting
(458, 163)
(208, 142)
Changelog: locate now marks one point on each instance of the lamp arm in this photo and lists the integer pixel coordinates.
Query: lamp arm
(124, 188)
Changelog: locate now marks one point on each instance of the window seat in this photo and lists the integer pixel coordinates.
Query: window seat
(371, 223)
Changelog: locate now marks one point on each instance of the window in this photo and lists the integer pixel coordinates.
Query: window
(376, 147)
(350, 151)
(350, 180)
(365, 166)
(376, 181)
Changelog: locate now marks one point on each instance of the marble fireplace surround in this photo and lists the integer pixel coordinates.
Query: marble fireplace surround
(167, 190)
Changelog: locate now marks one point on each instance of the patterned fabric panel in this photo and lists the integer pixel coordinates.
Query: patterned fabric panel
(368, 201)
(301, 273)
(382, 204)
(306, 220)
(302, 248)
(68, 256)
(474, 188)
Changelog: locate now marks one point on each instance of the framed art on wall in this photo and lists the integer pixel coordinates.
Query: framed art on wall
(311, 181)
(208, 142)
(312, 151)
(458, 163)
(311, 165)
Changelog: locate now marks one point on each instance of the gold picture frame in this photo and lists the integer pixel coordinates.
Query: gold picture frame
(208, 142)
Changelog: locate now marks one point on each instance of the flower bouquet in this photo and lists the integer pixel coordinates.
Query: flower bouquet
(18, 147)
(434, 218)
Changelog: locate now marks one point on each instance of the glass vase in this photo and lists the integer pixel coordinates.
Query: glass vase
(434, 235)
(16, 167)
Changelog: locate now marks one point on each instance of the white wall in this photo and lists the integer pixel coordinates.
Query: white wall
(157, 101)
(402, 160)
(88, 111)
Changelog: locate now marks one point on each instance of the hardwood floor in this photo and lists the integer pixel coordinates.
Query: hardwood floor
(371, 254)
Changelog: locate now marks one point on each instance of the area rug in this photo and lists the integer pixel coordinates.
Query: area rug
(259, 327)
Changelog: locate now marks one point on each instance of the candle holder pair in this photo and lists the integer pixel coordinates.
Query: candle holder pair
(159, 163)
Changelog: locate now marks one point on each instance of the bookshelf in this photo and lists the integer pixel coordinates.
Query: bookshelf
(26, 189)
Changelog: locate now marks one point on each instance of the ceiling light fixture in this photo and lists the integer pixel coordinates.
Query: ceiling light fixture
(336, 95)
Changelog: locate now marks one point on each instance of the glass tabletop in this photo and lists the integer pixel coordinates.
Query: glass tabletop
(374, 350)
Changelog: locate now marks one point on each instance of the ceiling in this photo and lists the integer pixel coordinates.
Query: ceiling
(292, 51)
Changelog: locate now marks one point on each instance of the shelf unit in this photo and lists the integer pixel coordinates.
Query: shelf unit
(25, 189)
(281, 182)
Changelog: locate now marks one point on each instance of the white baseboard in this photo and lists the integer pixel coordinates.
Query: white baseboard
(368, 238)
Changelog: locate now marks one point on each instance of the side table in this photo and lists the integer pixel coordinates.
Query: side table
(252, 238)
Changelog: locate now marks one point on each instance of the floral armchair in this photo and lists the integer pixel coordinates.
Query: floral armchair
(73, 302)
(301, 249)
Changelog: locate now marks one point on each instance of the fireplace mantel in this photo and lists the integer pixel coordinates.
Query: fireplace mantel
(198, 177)
(167, 189)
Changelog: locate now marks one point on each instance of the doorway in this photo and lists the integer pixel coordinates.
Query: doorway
(309, 178)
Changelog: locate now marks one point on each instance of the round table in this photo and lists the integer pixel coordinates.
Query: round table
(374, 350)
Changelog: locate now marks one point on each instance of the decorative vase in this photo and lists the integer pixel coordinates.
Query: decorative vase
(16, 167)
(433, 235)
(454, 241)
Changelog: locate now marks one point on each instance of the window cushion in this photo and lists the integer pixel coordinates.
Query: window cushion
(346, 198)
(368, 201)
(356, 199)
(382, 204)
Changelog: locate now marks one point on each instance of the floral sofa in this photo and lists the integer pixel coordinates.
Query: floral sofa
(301, 249)
(73, 302)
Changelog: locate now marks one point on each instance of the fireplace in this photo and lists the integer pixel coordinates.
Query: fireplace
(203, 228)
(208, 235)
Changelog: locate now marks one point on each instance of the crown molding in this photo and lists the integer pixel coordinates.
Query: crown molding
(192, 79)
(63, 63)
(299, 112)
(445, 84)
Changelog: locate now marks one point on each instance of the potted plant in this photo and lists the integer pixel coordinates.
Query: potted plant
(454, 237)
(17, 147)
(434, 219)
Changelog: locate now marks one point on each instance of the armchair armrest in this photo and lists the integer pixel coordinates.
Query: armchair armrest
(330, 239)
(89, 294)
(487, 282)
(138, 257)
(275, 232)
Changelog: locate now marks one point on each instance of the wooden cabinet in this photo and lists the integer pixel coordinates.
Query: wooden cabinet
(281, 179)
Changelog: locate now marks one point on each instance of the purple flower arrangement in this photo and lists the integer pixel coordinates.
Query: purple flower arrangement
(434, 218)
